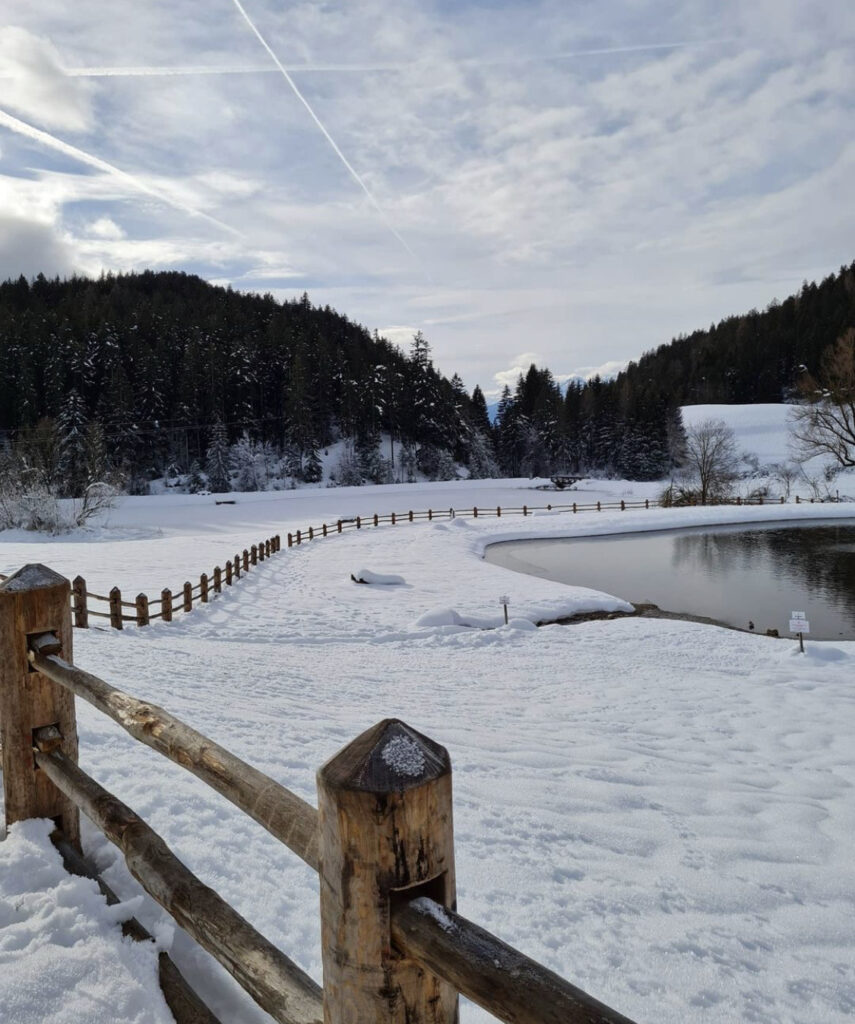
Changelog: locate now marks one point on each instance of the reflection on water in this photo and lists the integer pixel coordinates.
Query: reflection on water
(734, 575)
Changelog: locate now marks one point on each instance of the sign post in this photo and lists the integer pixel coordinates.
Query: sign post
(799, 625)
(504, 600)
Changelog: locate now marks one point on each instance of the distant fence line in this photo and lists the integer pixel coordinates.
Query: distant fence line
(182, 600)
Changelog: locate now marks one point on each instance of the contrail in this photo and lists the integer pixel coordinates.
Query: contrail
(166, 71)
(327, 136)
(52, 142)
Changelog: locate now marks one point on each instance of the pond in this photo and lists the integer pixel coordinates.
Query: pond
(736, 575)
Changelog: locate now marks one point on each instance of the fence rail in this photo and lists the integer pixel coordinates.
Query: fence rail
(182, 599)
(394, 949)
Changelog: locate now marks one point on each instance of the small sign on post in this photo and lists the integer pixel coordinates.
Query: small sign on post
(799, 625)
(504, 600)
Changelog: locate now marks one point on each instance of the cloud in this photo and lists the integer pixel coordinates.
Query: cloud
(31, 247)
(509, 377)
(105, 228)
(34, 83)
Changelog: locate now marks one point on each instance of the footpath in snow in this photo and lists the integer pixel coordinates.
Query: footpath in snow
(658, 810)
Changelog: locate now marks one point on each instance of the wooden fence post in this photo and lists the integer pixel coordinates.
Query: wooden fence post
(647, 502)
(411, 515)
(338, 525)
(188, 597)
(498, 511)
(253, 551)
(385, 833)
(260, 549)
(81, 611)
(325, 529)
(277, 543)
(475, 512)
(311, 533)
(236, 566)
(525, 510)
(375, 519)
(228, 573)
(116, 608)
(622, 505)
(142, 610)
(393, 518)
(599, 507)
(797, 499)
(358, 523)
(574, 507)
(218, 580)
(166, 604)
(34, 600)
(290, 541)
(267, 548)
(430, 514)
(203, 588)
(299, 537)
(245, 560)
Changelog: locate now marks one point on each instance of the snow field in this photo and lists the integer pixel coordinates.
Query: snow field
(660, 811)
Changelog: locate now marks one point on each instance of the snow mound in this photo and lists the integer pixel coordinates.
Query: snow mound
(522, 625)
(439, 617)
(377, 578)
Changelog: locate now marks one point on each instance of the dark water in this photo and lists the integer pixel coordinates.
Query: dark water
(731, 574)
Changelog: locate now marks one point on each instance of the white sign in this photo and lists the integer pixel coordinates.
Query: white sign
(798, 615)
(799, 626)
(504, 599)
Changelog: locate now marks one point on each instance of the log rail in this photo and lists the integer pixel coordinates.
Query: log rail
(395, 951)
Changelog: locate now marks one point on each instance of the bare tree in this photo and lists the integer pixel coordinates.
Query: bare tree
(711, 459)
(825, 424)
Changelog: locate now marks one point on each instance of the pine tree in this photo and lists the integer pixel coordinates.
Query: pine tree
(217, 461)
(71, 436)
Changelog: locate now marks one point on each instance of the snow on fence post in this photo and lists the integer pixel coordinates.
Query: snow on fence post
(166, 604)
(203, 588)
(385, 832)
(253, 551)
(218, 580)
(188, 596)
(141, 604)
(116, 608)
(35, 600)
(81, 610)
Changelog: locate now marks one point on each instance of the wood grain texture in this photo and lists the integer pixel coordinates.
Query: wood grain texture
(291, 820)
(274, 981)
(34, 600)
(385, 832)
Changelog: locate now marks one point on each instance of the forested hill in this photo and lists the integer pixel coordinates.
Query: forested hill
(754, 357)
(155, 360)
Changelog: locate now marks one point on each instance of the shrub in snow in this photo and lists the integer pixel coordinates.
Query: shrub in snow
(377, 578)
(36, 506)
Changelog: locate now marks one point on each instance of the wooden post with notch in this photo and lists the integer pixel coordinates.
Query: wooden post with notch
(142, 610)
(385, 832)
(34, 600)
(116, 608)
(81, 609)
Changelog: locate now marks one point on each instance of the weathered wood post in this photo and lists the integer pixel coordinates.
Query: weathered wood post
(599, 507)
(34, 600)
(81, 610)
(574, 507)
(376, 520)
(647, 502)
(277, 543)
(430, 514)
(188, 597)
(218, 580)
(142, 610)
(166, 604)
(299, 537)
(797, 499)
(290, 541)
(203, 588)
(393, 518)
(498, 511)
(228, 573)
(475, 512)
(324, 529)
(411, 515)
(358, 523)
(236, 566)
(385, 831)
(338, 525)
(245, 560)
(260, 549)
(622, 505)
(525, 510)
(253, 551)
(268, 548)
(116, 608)
(311, 533)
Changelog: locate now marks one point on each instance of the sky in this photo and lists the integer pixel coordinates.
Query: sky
(567, 182)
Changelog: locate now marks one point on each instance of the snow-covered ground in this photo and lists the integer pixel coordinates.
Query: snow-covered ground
(660, 811)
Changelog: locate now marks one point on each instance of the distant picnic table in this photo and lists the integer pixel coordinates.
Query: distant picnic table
(563, 481)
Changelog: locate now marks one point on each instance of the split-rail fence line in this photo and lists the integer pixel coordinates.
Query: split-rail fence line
(394, 949)
(141, 611)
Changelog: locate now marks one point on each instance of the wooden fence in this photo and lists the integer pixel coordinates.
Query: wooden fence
(141, 611)
(394, 949)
